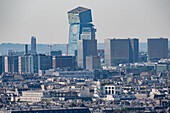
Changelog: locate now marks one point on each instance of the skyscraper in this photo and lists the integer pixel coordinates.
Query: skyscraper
(80, 27)
(26, 49)
(63, 62)
(33, 45)
(11, 64)
(85, 48)
(2, 66)
(121, 51)
(157, 48)
(93, 62)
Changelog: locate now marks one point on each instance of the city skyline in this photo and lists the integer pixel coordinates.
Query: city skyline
(76, 74)
(48, 21)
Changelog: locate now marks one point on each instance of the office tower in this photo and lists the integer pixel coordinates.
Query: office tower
(2, 65)
(121, 51)
(34, 63)
(92, 63)
(44, 62)
(85, 48)
(63, 62)
(11, 64)
(22, 64)
(33, 45)
(135, 49)
(157, 48)
(30, 64)
(80, 27)
(26, 50)
(56, 53)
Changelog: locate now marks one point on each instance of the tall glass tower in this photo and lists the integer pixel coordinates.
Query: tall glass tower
(33, 45)
(80, 27)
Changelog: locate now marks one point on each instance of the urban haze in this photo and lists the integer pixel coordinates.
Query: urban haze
(84, 56)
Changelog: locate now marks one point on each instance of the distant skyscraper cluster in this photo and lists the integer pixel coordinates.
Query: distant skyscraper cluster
(116, 78)
(82, 49)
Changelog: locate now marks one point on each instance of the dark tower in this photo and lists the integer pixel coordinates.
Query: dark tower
(26, 49)
(33, 45)
(157, 49)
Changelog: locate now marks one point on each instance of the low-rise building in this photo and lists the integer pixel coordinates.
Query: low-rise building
(31, 96)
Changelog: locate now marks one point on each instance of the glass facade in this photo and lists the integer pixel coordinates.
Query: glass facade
(74, 35)
(79, 20)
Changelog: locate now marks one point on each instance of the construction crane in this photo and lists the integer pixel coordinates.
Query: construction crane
(50, 46)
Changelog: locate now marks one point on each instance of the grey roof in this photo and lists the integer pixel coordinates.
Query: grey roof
(78, 10)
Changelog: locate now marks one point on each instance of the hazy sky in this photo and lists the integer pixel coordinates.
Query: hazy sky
(48, 21)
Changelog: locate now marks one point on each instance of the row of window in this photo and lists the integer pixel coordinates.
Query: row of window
(112, 87)
(111, 92)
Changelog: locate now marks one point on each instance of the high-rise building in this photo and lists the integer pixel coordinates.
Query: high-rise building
(121, 51)
(22, 64)
(33, 45)
(85, 48)
(63, 62)
(2, 66)
(34, 63)
(11, 64)
(135, 49)
(157, 48)
(80, 27)
(44, 62)
(92, 63)
(26, 50)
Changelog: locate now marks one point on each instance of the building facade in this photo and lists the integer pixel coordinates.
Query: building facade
(112, 90)
(2, 66)
(157, 49)
(74, 74)
(31, 96)
(85, 48)
(33, 45)
(80, 27)
(63, 62)
(121, 51)
(11, 64)
(92, 63)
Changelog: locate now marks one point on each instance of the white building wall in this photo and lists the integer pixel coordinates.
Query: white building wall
(111, 90)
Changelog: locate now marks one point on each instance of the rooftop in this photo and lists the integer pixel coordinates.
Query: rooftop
(78, 10)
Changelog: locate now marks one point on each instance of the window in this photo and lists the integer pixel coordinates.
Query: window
(109, 91)
(112, 91)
